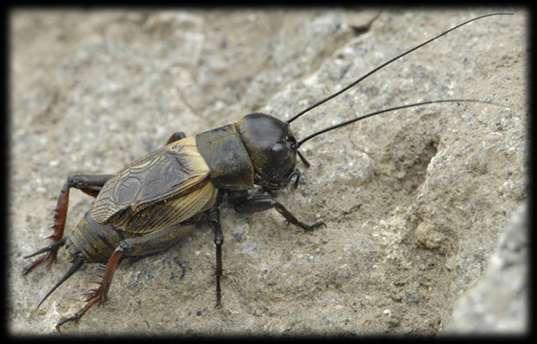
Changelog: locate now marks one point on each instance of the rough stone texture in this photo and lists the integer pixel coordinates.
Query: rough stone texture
(498, 302)
(413, 200)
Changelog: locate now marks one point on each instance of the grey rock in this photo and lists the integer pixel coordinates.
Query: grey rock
(92, 90)
(498, 302)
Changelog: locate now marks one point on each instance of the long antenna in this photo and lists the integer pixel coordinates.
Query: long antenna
(390, 61)
(393, 109)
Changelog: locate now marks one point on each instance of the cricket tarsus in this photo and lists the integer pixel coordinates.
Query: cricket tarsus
(97, 295)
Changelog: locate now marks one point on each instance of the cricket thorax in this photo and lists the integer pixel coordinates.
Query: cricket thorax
(229, 163)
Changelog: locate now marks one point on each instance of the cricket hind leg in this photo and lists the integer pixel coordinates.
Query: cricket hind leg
(90, 185)
(50, 257)
(138, 246)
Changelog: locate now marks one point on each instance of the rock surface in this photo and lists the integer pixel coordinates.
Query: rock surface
(498, 303)
(413, 200)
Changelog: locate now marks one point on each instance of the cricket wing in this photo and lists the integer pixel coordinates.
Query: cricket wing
(168, 212)
(175, 169)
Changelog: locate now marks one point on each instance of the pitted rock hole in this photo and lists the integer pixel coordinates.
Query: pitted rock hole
(411, 152)
(417, 172)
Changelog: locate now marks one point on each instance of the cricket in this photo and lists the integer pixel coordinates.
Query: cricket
(140, 209)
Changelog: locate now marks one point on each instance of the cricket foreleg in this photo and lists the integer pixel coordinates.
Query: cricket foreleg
(261, 202)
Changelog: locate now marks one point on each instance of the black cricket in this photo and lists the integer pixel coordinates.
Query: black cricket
(137, 210)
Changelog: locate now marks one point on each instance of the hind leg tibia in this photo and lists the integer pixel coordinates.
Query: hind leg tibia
(89, 184)
(138, 246)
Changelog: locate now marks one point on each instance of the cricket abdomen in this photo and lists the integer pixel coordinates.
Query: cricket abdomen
(95, 241)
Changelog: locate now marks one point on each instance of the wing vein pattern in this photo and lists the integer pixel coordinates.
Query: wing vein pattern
(166, 187)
